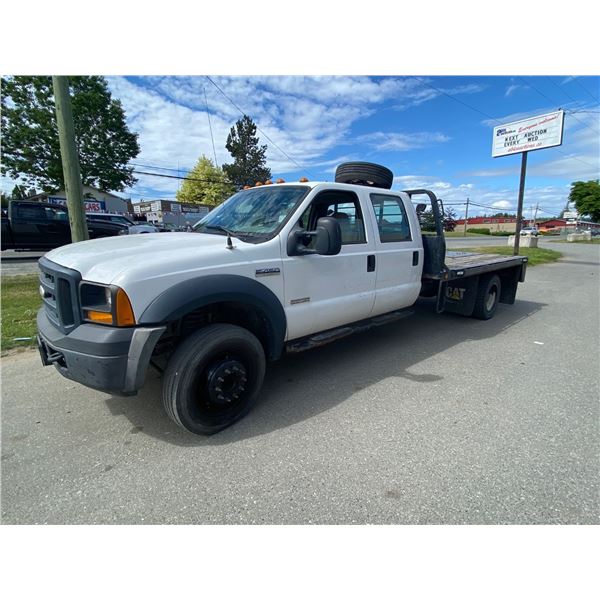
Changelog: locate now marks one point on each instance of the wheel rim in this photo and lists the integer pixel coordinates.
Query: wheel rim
(222, 388)
(226, 381)
(491, 299)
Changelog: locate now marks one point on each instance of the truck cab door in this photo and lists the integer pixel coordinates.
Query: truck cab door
(399, 251)
(39, 225)
(323, 292)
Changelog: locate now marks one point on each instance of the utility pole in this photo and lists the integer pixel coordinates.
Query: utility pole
(70, 158)
(537, 207)
(520, 203)
(466, 217)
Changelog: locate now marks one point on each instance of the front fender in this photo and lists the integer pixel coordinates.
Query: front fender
(198, 292)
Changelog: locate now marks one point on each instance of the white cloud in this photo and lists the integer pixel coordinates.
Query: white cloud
(501, 204)
(306, 117)
(396, 141)
(492, 199)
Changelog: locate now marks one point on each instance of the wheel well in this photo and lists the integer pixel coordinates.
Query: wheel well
(235, 313)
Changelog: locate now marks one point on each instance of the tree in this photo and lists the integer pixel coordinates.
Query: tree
(206, 184)
(449, 219)
(30, 147)
(586, 196)
(249, 164)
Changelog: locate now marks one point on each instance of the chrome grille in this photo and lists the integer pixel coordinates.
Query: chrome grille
(60, 294)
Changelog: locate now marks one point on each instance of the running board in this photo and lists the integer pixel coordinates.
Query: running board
(331, 335)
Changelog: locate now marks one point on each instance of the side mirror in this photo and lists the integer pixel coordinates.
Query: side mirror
(329, 236)
(421, 208)
(328, 239)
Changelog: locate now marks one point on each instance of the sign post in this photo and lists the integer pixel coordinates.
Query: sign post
(520, 203)
(535, 133)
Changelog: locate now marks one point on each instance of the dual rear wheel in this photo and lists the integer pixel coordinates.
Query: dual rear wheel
(488, 296)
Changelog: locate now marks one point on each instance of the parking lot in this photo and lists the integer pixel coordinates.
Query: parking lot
(433, 419)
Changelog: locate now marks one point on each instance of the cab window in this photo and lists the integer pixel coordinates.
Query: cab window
(342, 206)
(391, 218)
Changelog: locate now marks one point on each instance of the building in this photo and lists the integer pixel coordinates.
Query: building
(559, 225)
(95, 200)
(494, 224)
(509, 224)
(171, 211)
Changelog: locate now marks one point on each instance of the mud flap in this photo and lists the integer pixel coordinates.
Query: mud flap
(461, 294)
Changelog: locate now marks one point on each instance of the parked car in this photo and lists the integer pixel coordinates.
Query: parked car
(41, 226)
(277, 268)
(122, 220)
(530, 231)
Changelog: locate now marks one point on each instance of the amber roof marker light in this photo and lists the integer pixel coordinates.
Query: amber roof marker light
(303, 180)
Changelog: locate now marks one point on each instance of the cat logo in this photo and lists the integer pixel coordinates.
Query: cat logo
(455, 293)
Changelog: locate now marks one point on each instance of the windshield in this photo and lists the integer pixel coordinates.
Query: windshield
(255, 213)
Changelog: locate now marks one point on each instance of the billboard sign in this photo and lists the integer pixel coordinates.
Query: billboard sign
(535, 133)
(89, 205)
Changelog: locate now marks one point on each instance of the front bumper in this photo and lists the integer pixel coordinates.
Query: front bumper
(110, 359)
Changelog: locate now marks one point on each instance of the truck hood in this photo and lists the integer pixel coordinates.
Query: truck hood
(102, 260)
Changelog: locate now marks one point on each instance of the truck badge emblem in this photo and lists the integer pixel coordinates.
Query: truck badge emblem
(270, 271)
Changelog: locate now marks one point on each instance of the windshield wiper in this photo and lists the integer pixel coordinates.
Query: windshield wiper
(221, 228)
(229, 233)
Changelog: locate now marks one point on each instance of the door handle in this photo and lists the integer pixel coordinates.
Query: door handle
(415, 258)
(370, 263)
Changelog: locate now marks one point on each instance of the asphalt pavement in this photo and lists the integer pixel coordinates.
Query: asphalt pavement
(434, 419)
(19, 263)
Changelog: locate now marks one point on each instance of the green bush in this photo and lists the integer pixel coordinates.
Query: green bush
(481, 230)
(503, 233)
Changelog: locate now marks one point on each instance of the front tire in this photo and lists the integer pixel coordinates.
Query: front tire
(213, 378)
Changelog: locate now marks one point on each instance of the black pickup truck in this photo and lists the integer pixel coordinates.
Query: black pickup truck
(41, 226)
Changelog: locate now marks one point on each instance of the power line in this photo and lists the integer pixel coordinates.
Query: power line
(585, 89)
(257, 127)
(157, 167)
(492, 118)
(210, 127)
(562, 90)
(179, 177)
(552, 101)
(457, 99)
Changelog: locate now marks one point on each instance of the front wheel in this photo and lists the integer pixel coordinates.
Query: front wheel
(213, 378)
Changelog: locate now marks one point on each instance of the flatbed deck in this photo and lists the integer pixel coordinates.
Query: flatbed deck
(465, 264)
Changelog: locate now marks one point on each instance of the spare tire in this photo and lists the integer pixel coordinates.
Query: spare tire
(364, 173)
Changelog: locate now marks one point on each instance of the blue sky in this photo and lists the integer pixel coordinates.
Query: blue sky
(418, 127)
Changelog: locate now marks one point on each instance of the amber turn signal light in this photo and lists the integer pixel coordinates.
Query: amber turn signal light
(124, 312)
(99, 317)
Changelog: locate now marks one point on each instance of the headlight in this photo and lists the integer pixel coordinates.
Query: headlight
(123, 232)
(108, 305)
